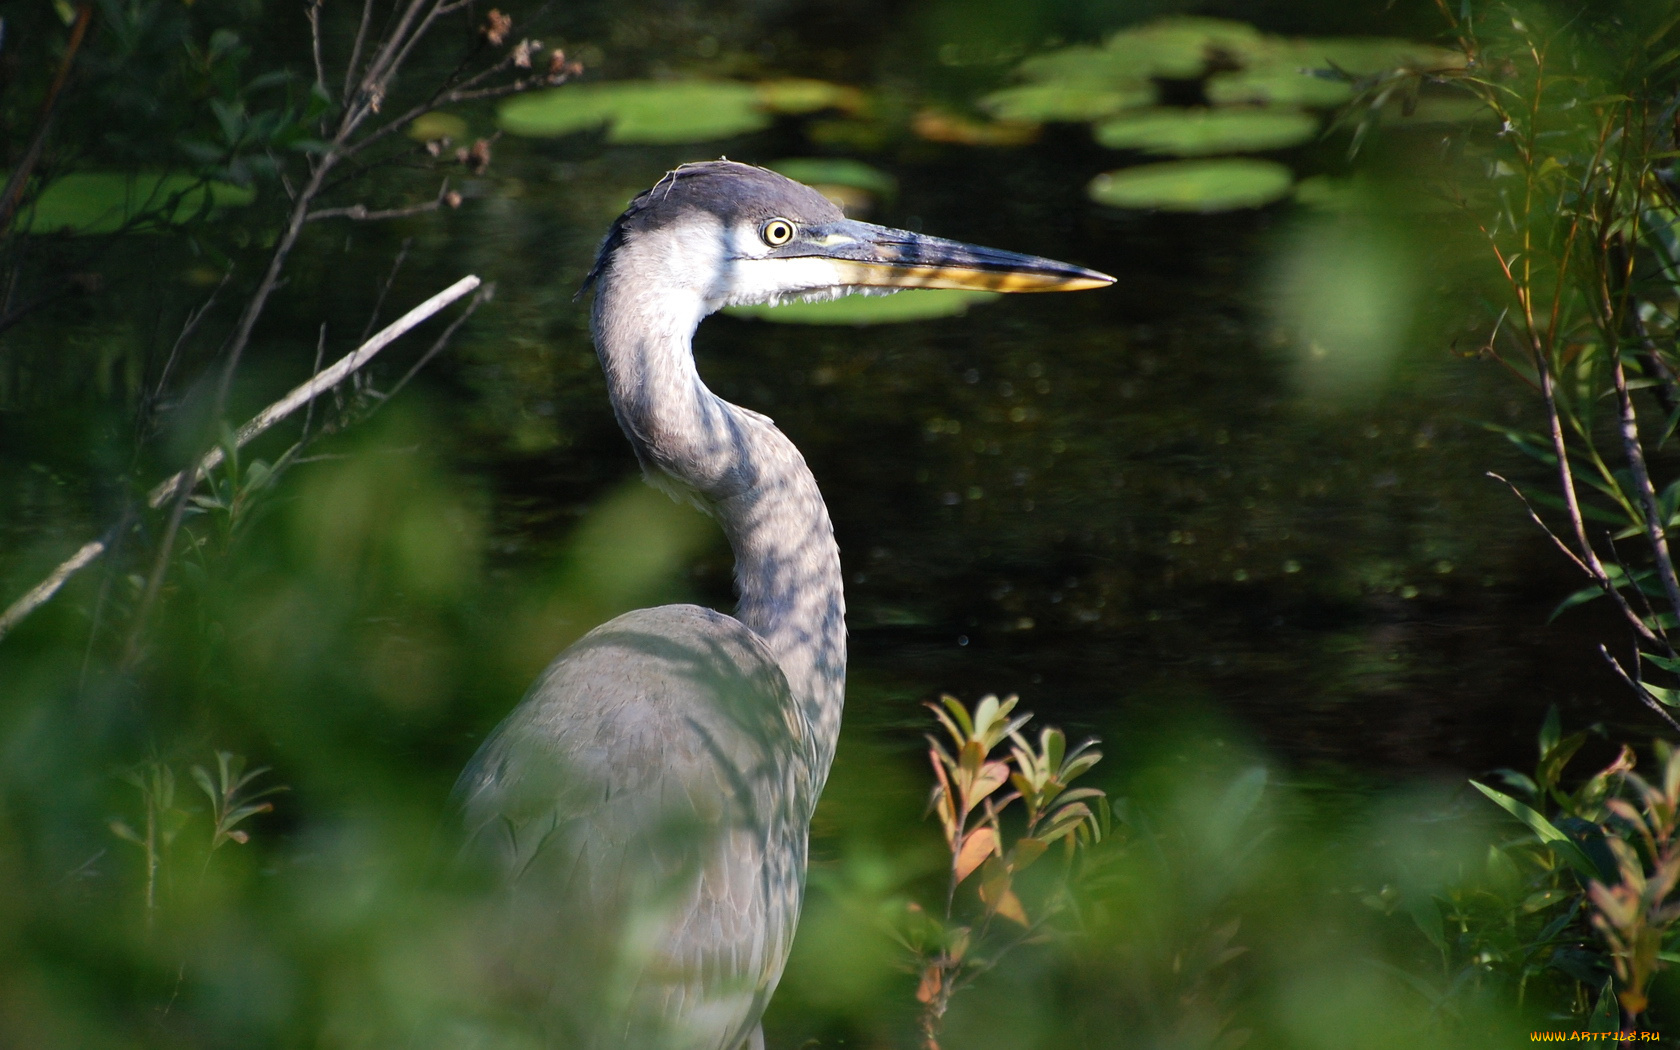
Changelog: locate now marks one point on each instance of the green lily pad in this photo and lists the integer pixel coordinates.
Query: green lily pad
(797, 95)
(1066, 102)
(639, 111)
(837, 171)
(103, 201)
(1278, 85)
(1194, 185)
(1183, 47)
(1079, 66)
(1363, 56)
(1200, 132)
(914, 304)
(431, 126)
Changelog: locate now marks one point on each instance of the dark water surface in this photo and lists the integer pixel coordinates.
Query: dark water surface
(1118, 504)
(1126, 506)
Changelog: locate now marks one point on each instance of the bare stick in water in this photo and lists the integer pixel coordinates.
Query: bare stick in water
(317, 385)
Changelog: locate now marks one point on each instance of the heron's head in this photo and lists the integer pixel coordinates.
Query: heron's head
(732, 234)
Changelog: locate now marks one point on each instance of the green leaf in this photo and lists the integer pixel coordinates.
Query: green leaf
(1552, 763)
(1277, 86)
(1194, 186)
(1665, 663)
(1202, 132)
(1544, 829)
(1661, 694)
(1069, 101)
(100, 202)
(639, 111)
(837, 171)
(1427, 917)
(1550, 731)
(1606, 1016)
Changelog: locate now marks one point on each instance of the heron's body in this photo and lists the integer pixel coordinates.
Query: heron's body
(650, 799)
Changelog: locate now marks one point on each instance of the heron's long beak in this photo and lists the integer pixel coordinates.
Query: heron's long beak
(881, 257)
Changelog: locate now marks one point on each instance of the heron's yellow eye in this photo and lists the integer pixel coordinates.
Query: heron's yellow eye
(776, 232)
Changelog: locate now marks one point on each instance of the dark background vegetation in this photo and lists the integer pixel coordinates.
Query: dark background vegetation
(1142, 510)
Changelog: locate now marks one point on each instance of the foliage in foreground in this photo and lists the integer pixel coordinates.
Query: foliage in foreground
(331, 625)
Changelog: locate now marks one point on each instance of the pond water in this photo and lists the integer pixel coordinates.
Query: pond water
(1127, 506)
(1131, 506)
(1231, 514)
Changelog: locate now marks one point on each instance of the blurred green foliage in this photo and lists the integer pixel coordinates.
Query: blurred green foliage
(355, 616)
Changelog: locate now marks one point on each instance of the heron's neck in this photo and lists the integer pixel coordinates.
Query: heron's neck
(747, 475)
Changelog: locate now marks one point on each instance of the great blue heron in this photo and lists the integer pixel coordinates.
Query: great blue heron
(651, 797)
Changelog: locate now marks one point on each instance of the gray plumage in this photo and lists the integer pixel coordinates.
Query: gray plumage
(649, 801)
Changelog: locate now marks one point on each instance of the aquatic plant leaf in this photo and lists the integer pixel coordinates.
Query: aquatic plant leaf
(103, 201)
(639, 111)
(1368, 55)
(915, 304)
(1074, 102)
(837, 171)
(798, 95)
(938, 125)
(1277, 86)
(1201, 185)
(1200, 132)
(438, 125)
(1081, 66)
(1182, 48)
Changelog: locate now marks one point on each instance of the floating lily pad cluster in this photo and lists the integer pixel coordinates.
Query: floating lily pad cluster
(1199, 88)
(669, 111)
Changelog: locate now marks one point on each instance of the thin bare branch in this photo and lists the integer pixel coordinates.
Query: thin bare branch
(297, 398)
(1639, 689)
(1547, 529)
(320, 383)
(1667, 388)
(356, 51)
(41, 592)
(13, 193)
(1572, 503)
(1655, 531)
(320, 351)
(313, 13)
(482, 296)
(384, 290)
(360, 212)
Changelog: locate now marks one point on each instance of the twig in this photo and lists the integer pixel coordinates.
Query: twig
(269, 416)
(1566, 482)
(356, 51)
(313, 13)
(48, 587)
(315, 370)
(360, 212)
(1667, 389)
(319, 384)
(483, 295)
(1655, 532)
(1644, 695)
(20, 174)
(1547, 529)
(385, 289)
